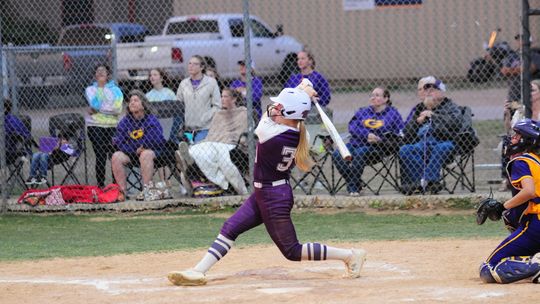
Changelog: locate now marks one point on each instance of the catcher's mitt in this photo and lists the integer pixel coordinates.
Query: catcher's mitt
(491, 208)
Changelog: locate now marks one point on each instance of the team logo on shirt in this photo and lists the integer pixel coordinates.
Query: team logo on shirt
(136, 134)
(373, 123)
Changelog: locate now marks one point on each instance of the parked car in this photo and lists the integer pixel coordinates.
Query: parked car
(219, 39)
(68, 67)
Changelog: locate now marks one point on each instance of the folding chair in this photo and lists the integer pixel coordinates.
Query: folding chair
(166, 160)
(15, 166)
(459, 169)
(328, 180)
(73, 124)
(379, 170)
(384, 171)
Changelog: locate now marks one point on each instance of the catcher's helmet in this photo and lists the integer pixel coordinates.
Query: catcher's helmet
(296, 103)
(530, 136)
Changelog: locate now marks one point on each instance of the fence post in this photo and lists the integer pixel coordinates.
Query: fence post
(249, 89)
(3, 165)
(525, 59)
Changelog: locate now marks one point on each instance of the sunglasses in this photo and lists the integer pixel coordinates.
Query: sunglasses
(428, 86)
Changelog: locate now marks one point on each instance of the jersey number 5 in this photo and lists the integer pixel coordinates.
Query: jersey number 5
(288, 157)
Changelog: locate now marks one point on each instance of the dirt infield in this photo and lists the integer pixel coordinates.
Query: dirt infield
(442, 271)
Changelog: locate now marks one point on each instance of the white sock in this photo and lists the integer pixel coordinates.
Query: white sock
(318, 252)
(217, 250)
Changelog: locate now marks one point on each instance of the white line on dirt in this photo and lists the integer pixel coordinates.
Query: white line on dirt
(284, 290)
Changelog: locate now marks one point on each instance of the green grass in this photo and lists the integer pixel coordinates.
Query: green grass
(36, 236)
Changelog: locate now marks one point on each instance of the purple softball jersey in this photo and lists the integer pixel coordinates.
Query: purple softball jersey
(269, 204)
(275, 157)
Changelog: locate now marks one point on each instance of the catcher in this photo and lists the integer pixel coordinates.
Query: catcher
(518, 256)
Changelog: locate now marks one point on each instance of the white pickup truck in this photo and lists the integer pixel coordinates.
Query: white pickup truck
(219, 39)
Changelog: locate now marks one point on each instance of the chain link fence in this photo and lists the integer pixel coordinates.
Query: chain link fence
(70, 68)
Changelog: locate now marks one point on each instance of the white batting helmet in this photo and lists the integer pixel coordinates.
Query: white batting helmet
(296, 103)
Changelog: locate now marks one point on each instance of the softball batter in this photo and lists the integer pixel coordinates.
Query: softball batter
(282, 144)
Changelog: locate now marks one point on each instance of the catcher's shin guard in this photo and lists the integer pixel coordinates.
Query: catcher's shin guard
(517, 268)
(485, 273)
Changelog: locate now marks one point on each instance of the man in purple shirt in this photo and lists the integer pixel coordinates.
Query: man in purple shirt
(240, 86)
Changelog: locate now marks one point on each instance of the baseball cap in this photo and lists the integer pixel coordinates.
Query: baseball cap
(433, 82)
(243, 62)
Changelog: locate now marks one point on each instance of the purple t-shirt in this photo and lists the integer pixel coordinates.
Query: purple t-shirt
(274, 158)
(195, 83)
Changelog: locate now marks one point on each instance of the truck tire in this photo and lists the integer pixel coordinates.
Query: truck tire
(288, 67)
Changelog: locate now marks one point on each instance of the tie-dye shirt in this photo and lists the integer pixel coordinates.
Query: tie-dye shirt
(107, 102)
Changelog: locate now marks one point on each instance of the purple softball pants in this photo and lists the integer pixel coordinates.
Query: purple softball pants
(271, 206)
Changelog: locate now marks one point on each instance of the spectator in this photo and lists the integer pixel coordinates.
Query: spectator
(430, 129)
(511, 68)
(64, 148)
(212, 72)
(16, 133)
(105, 100)
(514, 112)
(201, 97)
(139, 140)
(256, 85)
(373, 130)
(212, 154)
(160, 93)
(306, 64)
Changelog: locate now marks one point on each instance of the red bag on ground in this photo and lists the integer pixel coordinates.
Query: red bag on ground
(111, 194)
(69, 194)
(80, 193)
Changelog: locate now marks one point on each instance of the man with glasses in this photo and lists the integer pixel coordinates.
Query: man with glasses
(429, 131)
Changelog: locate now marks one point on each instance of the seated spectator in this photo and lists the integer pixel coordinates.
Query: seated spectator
(16, 133)
(139, 139)
(211, 156)
(430, 129)
(370, 129)
(57, 150)
(514, 112)
(240, 85)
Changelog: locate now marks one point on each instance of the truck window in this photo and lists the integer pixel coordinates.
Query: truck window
(259, 30)
(88, 35)
(237, 28)
(193, 27)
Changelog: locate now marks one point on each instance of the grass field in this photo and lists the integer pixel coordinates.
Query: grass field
(28, 237)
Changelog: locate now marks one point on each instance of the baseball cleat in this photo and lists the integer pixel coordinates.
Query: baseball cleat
(188, 277)
(355, 263)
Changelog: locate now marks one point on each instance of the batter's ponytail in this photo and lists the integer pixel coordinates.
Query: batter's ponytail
(302, 158)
